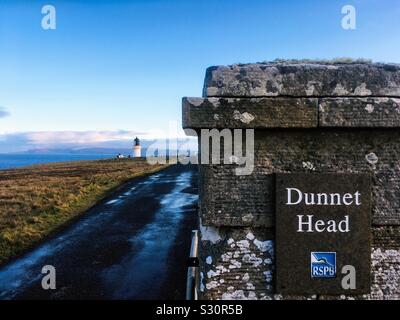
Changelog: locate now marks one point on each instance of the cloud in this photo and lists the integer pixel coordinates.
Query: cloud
(24, 141)
(3, 112)
(79, 138)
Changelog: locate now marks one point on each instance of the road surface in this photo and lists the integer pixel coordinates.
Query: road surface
(132, 245)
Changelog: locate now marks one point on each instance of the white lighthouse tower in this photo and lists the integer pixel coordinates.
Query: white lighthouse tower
(137, 148)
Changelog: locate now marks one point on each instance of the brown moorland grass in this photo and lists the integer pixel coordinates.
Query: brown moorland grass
(35, 201)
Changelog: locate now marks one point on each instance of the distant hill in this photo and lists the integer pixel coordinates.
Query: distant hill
(110, 151)
(114, 150)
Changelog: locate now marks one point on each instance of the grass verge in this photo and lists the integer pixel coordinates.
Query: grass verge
(36, 201)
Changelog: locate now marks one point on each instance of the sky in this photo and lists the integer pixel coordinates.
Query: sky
(114, 69)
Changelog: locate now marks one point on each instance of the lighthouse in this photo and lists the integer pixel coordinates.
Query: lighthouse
(137, 148)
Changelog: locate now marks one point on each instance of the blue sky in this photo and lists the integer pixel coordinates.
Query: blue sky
(115, 68)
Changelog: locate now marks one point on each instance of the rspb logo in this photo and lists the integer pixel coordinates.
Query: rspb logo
(323, 264)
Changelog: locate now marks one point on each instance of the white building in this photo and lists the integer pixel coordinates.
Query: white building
(137, 148)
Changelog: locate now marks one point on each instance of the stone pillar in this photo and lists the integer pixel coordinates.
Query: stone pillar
(313, 117)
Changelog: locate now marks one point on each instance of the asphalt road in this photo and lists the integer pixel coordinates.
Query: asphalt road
(132, 245)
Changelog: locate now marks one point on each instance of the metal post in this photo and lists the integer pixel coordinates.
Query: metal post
(193, 262)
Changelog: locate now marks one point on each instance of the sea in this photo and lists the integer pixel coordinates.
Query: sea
(10, 161)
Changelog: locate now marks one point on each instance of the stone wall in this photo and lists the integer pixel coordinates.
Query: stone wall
(307, 118)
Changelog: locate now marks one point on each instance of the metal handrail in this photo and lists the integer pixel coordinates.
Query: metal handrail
(192, 273)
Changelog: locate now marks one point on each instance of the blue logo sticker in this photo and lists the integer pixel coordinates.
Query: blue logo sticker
(323, 264)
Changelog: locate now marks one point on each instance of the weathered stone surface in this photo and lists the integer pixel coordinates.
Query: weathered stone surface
(385, 266)
(256, 113)
(303, 79)
(230, 200)
(248, 201)
(385, 263)
(387, 237)
(251, 254)
(359, 112)
(238, 264)
(357, 108)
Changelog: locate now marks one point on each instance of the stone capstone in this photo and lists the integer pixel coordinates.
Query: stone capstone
(303, 80)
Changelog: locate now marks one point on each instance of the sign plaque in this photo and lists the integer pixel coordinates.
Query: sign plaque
(323, 233)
